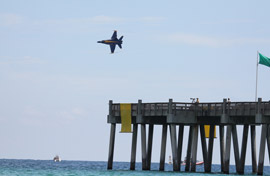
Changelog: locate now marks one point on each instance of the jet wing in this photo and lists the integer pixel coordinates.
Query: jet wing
(114, 36)
(112, 46)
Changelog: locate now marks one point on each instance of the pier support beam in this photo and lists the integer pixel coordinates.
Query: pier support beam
(227, 150)
(133, 147)
(180, 144)
(222, 143)
(221, 134)
(143, 144)
(253, 148)
(163, 147)
(204, 147)
(194, 148)
(189, 148)
(243, 150)
(210, 149)
(111, 146)
(174, 147)
(149, 145)
(268, 140)
(235, 147)
(262, 149)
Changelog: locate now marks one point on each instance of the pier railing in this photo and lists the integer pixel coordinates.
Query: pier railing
(201, 109)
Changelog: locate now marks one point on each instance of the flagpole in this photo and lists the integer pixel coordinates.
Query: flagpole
(256, 76)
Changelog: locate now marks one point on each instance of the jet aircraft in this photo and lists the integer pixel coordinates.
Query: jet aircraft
(113, 41)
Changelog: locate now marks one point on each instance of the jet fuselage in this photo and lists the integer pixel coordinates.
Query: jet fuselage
(109, 42)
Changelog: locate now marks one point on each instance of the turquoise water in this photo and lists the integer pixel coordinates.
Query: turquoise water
(88, 168)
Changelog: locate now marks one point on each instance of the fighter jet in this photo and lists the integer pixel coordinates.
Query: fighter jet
(113, 41)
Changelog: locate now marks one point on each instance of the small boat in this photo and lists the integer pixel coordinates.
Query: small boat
(57, 159)
(183, 163)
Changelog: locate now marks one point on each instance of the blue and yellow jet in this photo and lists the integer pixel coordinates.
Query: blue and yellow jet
(113, 41)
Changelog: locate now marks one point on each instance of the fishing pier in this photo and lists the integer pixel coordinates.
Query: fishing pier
(195, 116)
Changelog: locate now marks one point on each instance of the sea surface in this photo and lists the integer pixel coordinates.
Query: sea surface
(12, 167)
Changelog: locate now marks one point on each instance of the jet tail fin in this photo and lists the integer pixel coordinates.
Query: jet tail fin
(120, 46)
(121, 38)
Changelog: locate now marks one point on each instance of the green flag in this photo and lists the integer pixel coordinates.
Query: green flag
(264, 60)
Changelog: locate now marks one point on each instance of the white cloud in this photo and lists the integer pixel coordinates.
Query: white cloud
(78, 111)
(23, 60)
(10, 19)
(230, 21)
(32, 111)
(209, 41)
(32, 116)
(101, 19)
(71, 114)
(152, 19)
(90, 84)
(107, 19)
(15, 19)
(35, 116)
(81, 21)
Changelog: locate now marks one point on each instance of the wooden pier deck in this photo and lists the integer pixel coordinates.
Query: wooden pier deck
(171, 114)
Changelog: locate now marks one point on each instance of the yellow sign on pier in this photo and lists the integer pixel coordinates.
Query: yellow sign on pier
(125, 110)
(207, 131)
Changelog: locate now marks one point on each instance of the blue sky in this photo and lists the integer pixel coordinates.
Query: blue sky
(56, 80)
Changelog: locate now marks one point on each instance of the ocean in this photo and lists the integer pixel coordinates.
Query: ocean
(12, 167)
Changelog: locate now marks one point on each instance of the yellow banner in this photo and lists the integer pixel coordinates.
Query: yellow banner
(207, 131)
(125, 110)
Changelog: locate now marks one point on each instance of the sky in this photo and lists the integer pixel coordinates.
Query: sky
(56, 80)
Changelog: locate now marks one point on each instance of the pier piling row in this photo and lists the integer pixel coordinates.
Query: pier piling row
(171, 114)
